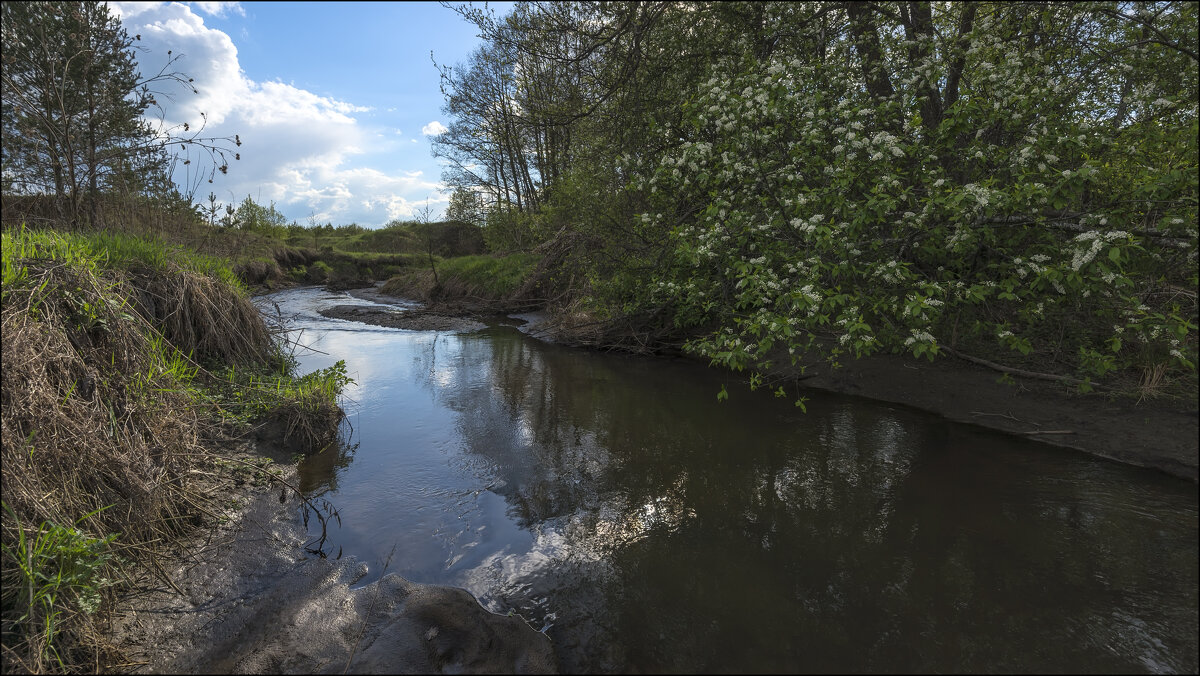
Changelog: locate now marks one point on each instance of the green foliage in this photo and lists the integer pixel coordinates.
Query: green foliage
(254, 217)
(47, 571)
(252, 395)
(1017, 180)
(490, 276)
(511, 231)
(75, 126)
(825, 210)
(319, 272)
(466, 206)
(475, 277)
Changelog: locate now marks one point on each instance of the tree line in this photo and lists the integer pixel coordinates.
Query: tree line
(787, 181)
(78, 115)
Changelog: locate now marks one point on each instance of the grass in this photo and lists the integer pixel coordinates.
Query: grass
(126, 362)
(59, 571)
(470, 277)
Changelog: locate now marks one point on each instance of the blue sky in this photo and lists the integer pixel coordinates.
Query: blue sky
(335, 102)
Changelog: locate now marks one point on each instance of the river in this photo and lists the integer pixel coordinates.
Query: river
(615, 503)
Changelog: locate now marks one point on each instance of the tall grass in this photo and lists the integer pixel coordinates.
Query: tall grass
(59, 571)
(126, 362)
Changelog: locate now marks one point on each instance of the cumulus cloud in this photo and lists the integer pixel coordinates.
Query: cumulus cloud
(299, 149)
(434, 128)
(220, 9)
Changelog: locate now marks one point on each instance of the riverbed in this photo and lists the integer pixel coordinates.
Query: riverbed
(643, 525)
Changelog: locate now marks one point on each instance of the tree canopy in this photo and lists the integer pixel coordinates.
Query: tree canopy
(784, 181)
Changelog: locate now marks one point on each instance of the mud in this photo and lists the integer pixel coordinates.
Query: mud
(413, 320)
(1157, 434)
(250, 599)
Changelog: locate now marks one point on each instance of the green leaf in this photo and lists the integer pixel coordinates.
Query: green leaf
(1114, 254)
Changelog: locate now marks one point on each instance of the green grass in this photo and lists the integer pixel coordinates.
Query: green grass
(93, 250)
(52, 569)
(489, 276)
(469, 277)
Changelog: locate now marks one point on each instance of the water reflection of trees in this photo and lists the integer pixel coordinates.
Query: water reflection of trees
(744, 536)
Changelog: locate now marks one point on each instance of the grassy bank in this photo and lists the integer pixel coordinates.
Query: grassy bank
(129, 368)
(486, 279)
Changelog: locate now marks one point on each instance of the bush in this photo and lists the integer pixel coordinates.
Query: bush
(319, 272)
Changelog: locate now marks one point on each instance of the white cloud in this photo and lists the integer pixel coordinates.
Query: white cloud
(302, 150)
(434, 128)
(220, 9)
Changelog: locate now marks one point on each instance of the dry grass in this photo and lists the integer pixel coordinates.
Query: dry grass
(110, 409)
(202, 316)
(87, 424)
(1153, 381)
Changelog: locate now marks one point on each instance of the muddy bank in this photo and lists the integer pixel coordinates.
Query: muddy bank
(413, 320)
(1156, 434)
(251, 600)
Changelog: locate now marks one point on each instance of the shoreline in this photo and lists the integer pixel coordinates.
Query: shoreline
(1154, 434)
(248, 598)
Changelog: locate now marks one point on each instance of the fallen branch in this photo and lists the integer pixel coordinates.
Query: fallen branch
(1021, 372)
(998, 415)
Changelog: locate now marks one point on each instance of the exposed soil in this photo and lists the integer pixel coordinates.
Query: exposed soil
(1158, 434)
(251, 600)
(414, 320)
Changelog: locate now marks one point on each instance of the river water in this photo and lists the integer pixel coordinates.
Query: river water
(613, 502)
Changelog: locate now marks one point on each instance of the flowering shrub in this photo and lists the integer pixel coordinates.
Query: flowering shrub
(808, 212)
(833, 179)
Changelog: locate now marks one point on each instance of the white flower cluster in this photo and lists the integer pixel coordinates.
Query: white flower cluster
(809, 225)
(919, 336)
(1090, 243)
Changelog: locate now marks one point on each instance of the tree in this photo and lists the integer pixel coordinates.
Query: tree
(74, 110)
(965, 181)
(255, 217)
(827, 180)
(467, 206)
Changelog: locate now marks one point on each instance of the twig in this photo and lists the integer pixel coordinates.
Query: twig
(998, 415)
(165, 577)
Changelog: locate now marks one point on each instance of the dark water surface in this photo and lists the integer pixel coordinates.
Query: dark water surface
(614, 502)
